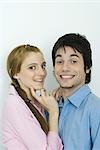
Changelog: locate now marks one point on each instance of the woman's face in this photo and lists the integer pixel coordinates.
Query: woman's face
(32, 72)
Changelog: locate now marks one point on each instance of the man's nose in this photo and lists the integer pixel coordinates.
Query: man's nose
(66, 66)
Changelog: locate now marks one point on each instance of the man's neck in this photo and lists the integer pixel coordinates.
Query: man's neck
(66, 92)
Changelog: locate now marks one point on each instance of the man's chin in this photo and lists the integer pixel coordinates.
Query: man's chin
(66, 87)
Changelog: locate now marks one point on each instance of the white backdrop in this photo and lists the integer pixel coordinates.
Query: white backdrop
(41, 23)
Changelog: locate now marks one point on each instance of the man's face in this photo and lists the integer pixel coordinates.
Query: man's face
(69, 68)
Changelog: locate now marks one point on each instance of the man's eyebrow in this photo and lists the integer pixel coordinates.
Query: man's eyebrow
(74, 55)
(70, 55)
(58, 56)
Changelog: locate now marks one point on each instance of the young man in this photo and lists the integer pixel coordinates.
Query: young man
(79, 120)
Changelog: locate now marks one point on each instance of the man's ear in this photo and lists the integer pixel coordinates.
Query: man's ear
(88, 70)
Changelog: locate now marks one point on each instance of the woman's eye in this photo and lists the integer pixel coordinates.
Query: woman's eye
(44, 66)
(32, 67)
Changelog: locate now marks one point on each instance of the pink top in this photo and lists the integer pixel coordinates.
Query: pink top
(22, 131)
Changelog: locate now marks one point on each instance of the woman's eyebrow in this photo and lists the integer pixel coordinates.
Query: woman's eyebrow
(31, 64)
(44, 62)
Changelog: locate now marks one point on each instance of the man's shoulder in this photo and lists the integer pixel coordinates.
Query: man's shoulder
(94, 103)
(94, 98)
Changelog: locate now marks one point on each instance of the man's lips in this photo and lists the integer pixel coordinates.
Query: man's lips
(66, 76)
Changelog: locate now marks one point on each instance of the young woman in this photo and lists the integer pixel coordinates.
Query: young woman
(24, 123)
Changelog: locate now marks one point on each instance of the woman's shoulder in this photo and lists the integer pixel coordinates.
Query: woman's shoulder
(13, 102)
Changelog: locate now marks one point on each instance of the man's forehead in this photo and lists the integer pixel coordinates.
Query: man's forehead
(64, 50)
(67, 49)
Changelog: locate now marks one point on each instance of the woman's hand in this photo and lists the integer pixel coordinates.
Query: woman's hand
(46, 100)
(57, 93)
(50, 104)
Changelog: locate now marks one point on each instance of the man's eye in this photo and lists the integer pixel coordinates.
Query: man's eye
(58, 61)
(73, 61)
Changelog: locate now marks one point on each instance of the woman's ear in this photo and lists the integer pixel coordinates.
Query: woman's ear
(16, 76)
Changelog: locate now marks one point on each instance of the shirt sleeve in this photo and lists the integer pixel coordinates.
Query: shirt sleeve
(95, 126)
(21, 128)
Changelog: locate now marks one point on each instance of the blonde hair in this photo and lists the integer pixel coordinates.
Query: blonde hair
(16, 58)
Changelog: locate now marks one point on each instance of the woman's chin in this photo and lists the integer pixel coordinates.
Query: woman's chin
(39, 88)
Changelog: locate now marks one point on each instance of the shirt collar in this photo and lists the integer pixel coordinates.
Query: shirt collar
(78, 97)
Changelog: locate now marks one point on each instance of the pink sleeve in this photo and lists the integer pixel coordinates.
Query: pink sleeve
(54, 141)
(22, 129)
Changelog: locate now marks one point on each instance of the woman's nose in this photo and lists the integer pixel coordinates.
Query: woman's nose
(42, 71)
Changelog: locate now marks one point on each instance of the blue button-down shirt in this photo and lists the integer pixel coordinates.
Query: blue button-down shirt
(79, 121)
